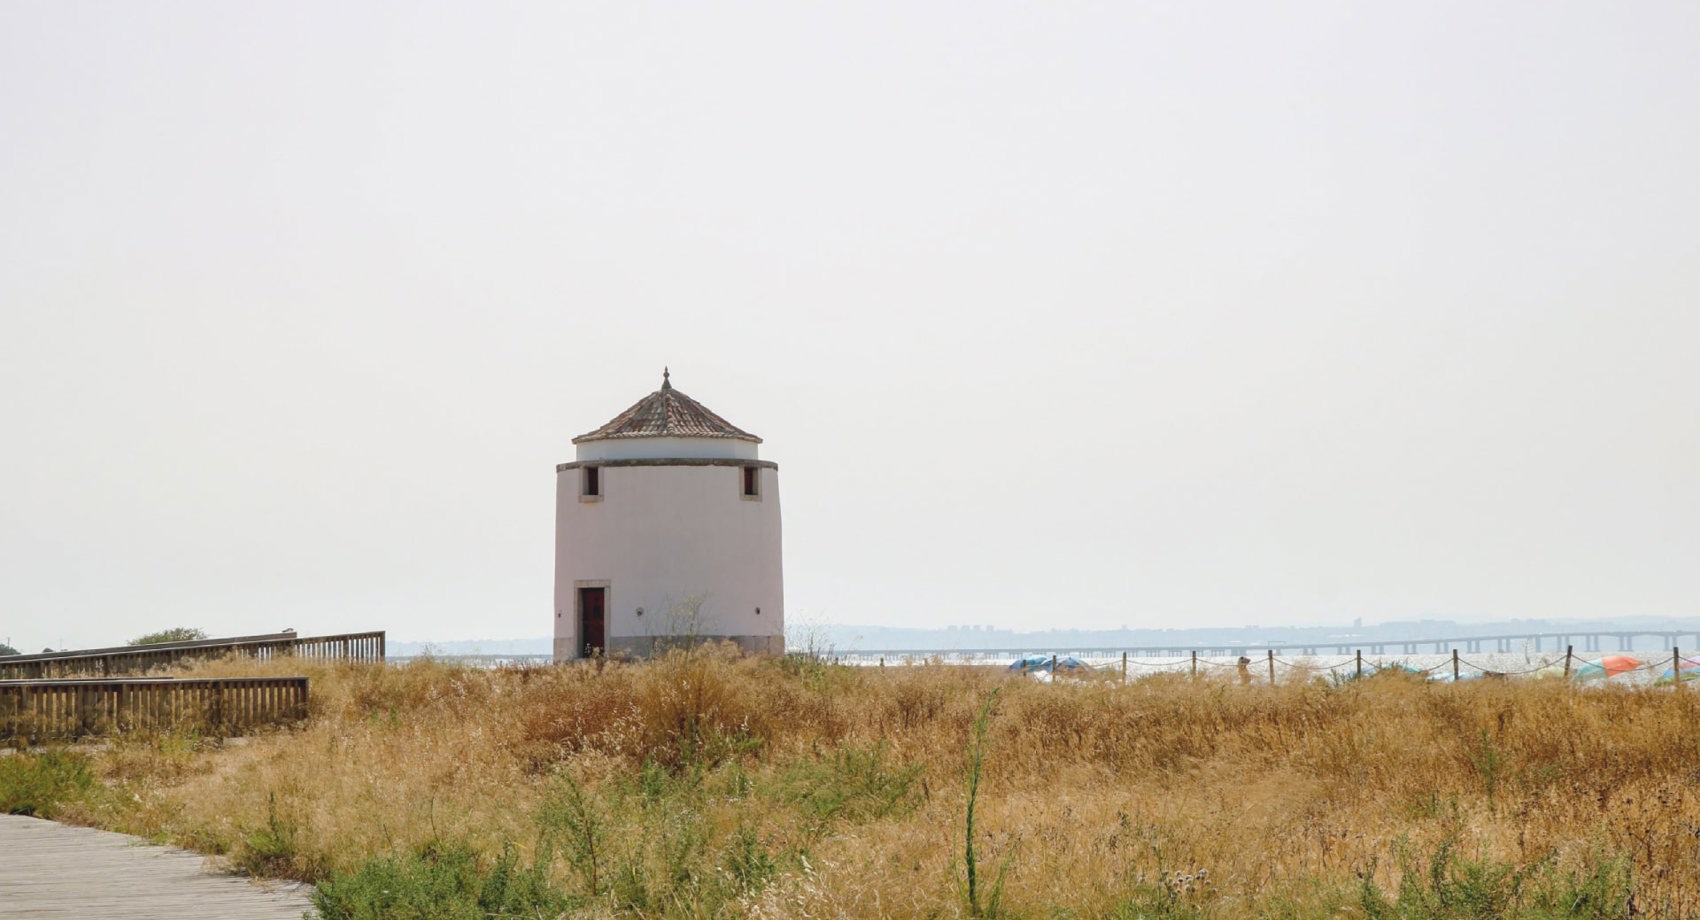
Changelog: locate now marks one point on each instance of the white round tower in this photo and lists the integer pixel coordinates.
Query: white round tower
(667, 532)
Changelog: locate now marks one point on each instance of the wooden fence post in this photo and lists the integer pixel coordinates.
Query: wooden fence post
(1675, 666)
(1360, 662)
(1271, 667)
(1568, 649)
(1454, 665)
(1124, 667)
(1053, 667)
(1195, 664)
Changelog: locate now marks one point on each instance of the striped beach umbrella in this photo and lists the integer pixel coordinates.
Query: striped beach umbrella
(1609, 666)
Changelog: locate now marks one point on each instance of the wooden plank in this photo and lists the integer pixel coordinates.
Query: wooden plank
(54, 870)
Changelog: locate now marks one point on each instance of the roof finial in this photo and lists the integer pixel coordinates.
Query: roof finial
(666, 383)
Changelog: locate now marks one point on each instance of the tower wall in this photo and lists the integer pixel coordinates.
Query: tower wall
(677, 538)
(665, 448)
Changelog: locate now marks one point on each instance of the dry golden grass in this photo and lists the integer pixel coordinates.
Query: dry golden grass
(1097, 797)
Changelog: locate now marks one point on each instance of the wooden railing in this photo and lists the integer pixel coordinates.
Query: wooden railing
(139, 659)
(63, 709)
(368, 646)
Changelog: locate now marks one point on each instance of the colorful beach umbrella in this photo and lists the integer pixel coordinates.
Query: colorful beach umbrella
(1609, 666)
(1686, 668)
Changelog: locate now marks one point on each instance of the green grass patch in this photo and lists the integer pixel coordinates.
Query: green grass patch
(1452, 887)
(442, 882)
(852, 784)
(42, 783)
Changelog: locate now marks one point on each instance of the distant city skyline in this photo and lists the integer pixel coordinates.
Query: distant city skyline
(1062, 314)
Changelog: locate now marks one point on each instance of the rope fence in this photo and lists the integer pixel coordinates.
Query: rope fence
(1269, 668)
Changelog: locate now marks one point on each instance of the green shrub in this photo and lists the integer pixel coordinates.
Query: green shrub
(271, 849)
(855, 784)
(442, 882)
(747, 862)
(992, 907)
(40, 784)
(1490, 764)
(174, 634)
(1451, 887)
(1604, 893)
(645, 845)
(572, 820)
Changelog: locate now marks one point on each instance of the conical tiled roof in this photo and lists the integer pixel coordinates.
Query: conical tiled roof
(667, 413)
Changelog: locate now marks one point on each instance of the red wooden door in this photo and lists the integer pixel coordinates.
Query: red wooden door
(592, 635)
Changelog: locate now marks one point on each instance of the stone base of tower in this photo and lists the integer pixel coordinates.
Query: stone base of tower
(653, 646)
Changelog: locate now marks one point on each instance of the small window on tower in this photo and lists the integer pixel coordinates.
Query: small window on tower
(591, 482)
(752, 482)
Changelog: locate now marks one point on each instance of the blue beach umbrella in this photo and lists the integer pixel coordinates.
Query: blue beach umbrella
(1065, 664)
(1072, 664)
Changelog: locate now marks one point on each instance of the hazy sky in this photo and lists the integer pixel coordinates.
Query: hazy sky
(1080, 314)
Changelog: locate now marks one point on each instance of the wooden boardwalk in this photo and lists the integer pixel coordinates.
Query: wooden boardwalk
(54, 870)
